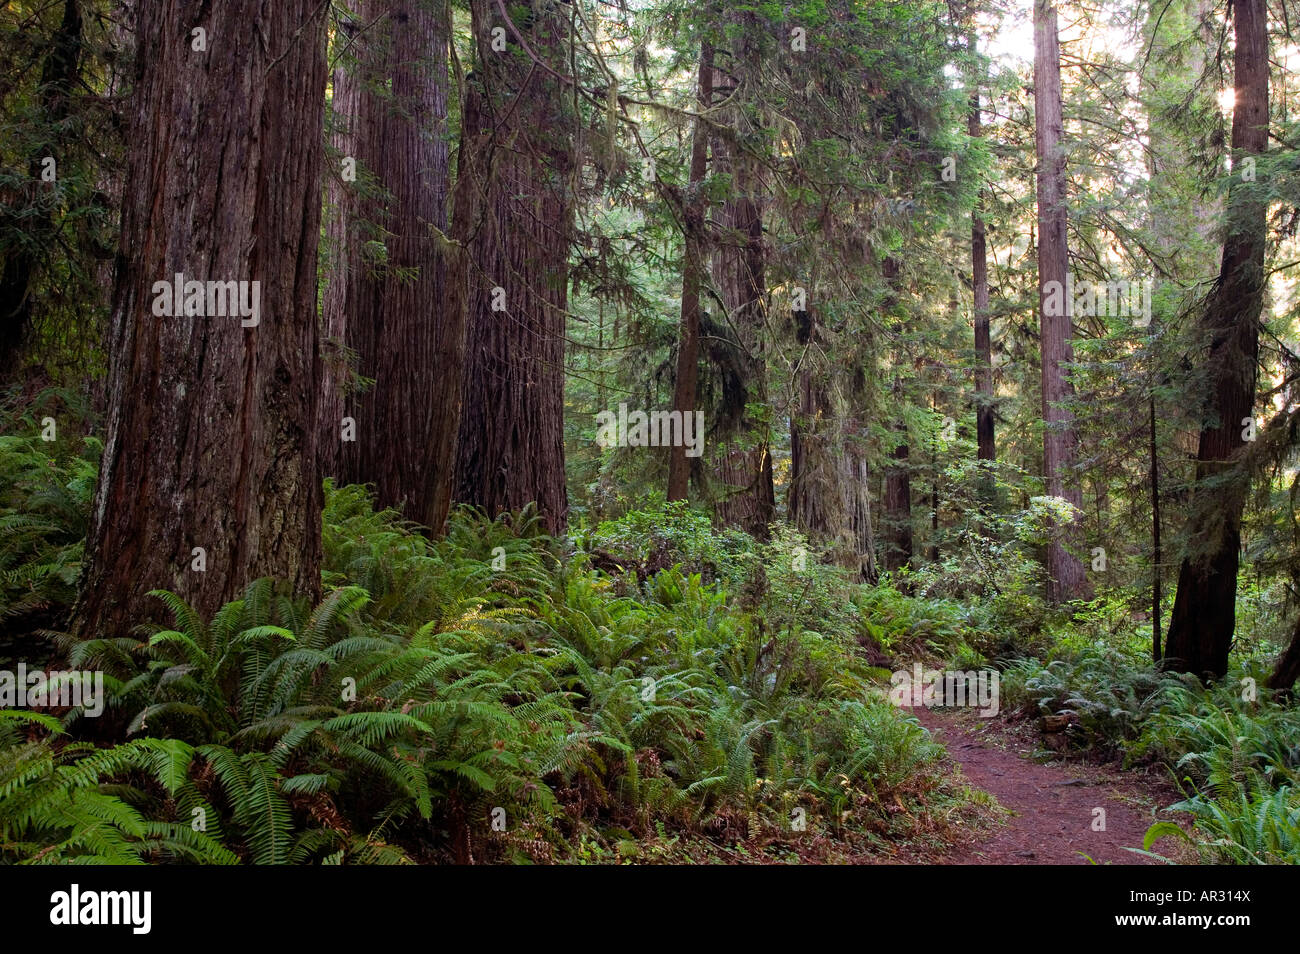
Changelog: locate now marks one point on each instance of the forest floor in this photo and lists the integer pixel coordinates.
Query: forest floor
(1050, 807)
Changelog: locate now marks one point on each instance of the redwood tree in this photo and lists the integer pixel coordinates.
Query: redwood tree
(694, 210)
(984, 433)
(744, 495)
(1204, 614)
(516, 220)
(210, 437)
(898, 473)
(1065, 573)
(393, 313)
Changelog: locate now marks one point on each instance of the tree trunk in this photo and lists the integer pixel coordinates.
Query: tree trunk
(898, 474)
(932, 550)
(983, 339)
(1171, 34)
(695, 211)
(511, 444)
(1157, 553)
(810, 456)
(210, 430)
(855, 486)
(1066, 580)
(829, 498)
(393, 313)
(1204, 615)
(745, 496)
(343, 228)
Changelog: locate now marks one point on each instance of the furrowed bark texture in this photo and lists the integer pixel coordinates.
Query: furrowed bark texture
(211, 426)
(511, 445)
(394, 314)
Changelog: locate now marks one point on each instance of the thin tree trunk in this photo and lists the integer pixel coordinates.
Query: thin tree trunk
(810, 455)
(898, 504)
(898, 474)
(746, 496)
(1066, 578)
(1157, 554)
(855, 485)
(1204, 615)
(210, 431)
(932, 550)
(511, 443)
(344, 237)
(983, 339)
(695, 211)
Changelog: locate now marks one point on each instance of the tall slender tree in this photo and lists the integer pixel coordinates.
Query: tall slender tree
(1066, 578)
(1204, 615)
(898, 472)
(744, 494)
(343, 228)
(694, 212)
(979, 257)
(209, 476)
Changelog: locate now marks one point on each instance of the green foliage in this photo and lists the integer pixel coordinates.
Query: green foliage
(666, 533)
(1108, 693)
(1218, 740)
(353, 732)
(1247, 827)
(46, 487)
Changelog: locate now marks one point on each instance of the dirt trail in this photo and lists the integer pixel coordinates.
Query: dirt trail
(1052, 805)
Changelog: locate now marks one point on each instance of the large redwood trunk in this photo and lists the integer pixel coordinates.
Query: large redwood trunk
(210, 428)
(694, 211)
(1204, 615)
(511, 445)
(1066, 580)
(394, 315)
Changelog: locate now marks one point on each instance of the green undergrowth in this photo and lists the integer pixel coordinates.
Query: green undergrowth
(489, 696)
(648, 689)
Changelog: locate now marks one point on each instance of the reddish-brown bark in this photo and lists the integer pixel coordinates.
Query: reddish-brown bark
(211, 426)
